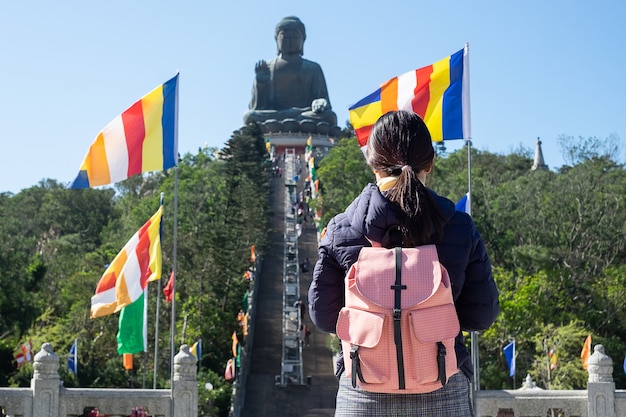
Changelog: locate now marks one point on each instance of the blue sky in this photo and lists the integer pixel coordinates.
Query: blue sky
(537, 68)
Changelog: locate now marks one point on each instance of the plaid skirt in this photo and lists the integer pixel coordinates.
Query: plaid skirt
(452, 400)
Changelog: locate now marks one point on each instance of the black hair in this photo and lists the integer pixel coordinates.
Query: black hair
(400, 145)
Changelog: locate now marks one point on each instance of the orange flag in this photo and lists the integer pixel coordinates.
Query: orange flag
(252, 254)
(586, 352)
(235, 343)
(128, 361)
(245, 324)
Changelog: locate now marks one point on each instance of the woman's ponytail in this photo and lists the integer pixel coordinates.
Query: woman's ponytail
(400, 145)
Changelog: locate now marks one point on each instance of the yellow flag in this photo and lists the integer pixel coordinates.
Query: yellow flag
(554, 358)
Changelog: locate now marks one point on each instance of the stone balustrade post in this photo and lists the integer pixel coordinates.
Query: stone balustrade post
(600, 385)
(46, 383)
(185, 384)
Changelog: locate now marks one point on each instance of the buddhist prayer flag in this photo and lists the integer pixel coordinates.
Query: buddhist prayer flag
(142, 139)
(72, 358)
(132, 334)
(245, 324)
(196, 350)
(229, 372)
(127, 360)
(554, 358)
(168, 290)
(128, 275)
(439, 93)
(238, 357)
(463, 204)
(586, 352)
(509, 355)
(244, 300)
(235, 343)
(252, 254)
(25, 354)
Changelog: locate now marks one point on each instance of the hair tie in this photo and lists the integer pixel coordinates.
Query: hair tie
(394, 171)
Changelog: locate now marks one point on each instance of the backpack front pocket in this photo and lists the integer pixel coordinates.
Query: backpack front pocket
(434, 330)
(360, 333)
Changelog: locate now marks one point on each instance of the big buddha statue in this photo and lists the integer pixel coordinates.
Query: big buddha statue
(289, 92)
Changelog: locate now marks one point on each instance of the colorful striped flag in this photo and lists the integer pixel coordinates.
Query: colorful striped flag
(127, 276)
(439, 93)
(25, 353)
(144, 138)
(196, 350)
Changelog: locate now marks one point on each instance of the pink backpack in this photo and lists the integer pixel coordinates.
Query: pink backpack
(398, 325)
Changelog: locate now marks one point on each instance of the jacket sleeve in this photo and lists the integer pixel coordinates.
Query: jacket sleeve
(326, 291)
(477, 304)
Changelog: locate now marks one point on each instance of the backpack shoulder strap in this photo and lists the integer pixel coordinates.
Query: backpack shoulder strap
(397, 315)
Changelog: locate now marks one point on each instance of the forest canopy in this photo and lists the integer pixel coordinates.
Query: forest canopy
(55, 244)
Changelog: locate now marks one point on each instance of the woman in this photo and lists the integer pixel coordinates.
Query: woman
(400, 153)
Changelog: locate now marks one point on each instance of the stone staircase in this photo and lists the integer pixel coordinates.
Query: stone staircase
(263, 397)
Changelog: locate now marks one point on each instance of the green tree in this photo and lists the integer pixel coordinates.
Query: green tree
(343, 174)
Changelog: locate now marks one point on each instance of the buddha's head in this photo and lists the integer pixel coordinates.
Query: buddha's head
(290, 35)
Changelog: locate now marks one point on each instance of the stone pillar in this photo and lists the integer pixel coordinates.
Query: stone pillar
(46, 383)
(600, 385)
(185, 384)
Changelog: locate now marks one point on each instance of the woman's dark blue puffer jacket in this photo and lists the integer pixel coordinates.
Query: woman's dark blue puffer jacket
(461, 250)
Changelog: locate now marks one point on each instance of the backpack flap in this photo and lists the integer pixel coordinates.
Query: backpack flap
(375, 272)
(359, 327)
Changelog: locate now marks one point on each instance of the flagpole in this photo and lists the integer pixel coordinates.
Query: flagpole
(144, 332)
(174, 250)
(76, 356)
(473, 335)
(173, 318)
(156, 336)
(467, 133)
(156, 321)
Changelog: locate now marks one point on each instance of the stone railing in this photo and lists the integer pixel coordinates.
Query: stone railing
(599, 400)
(47, 397)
